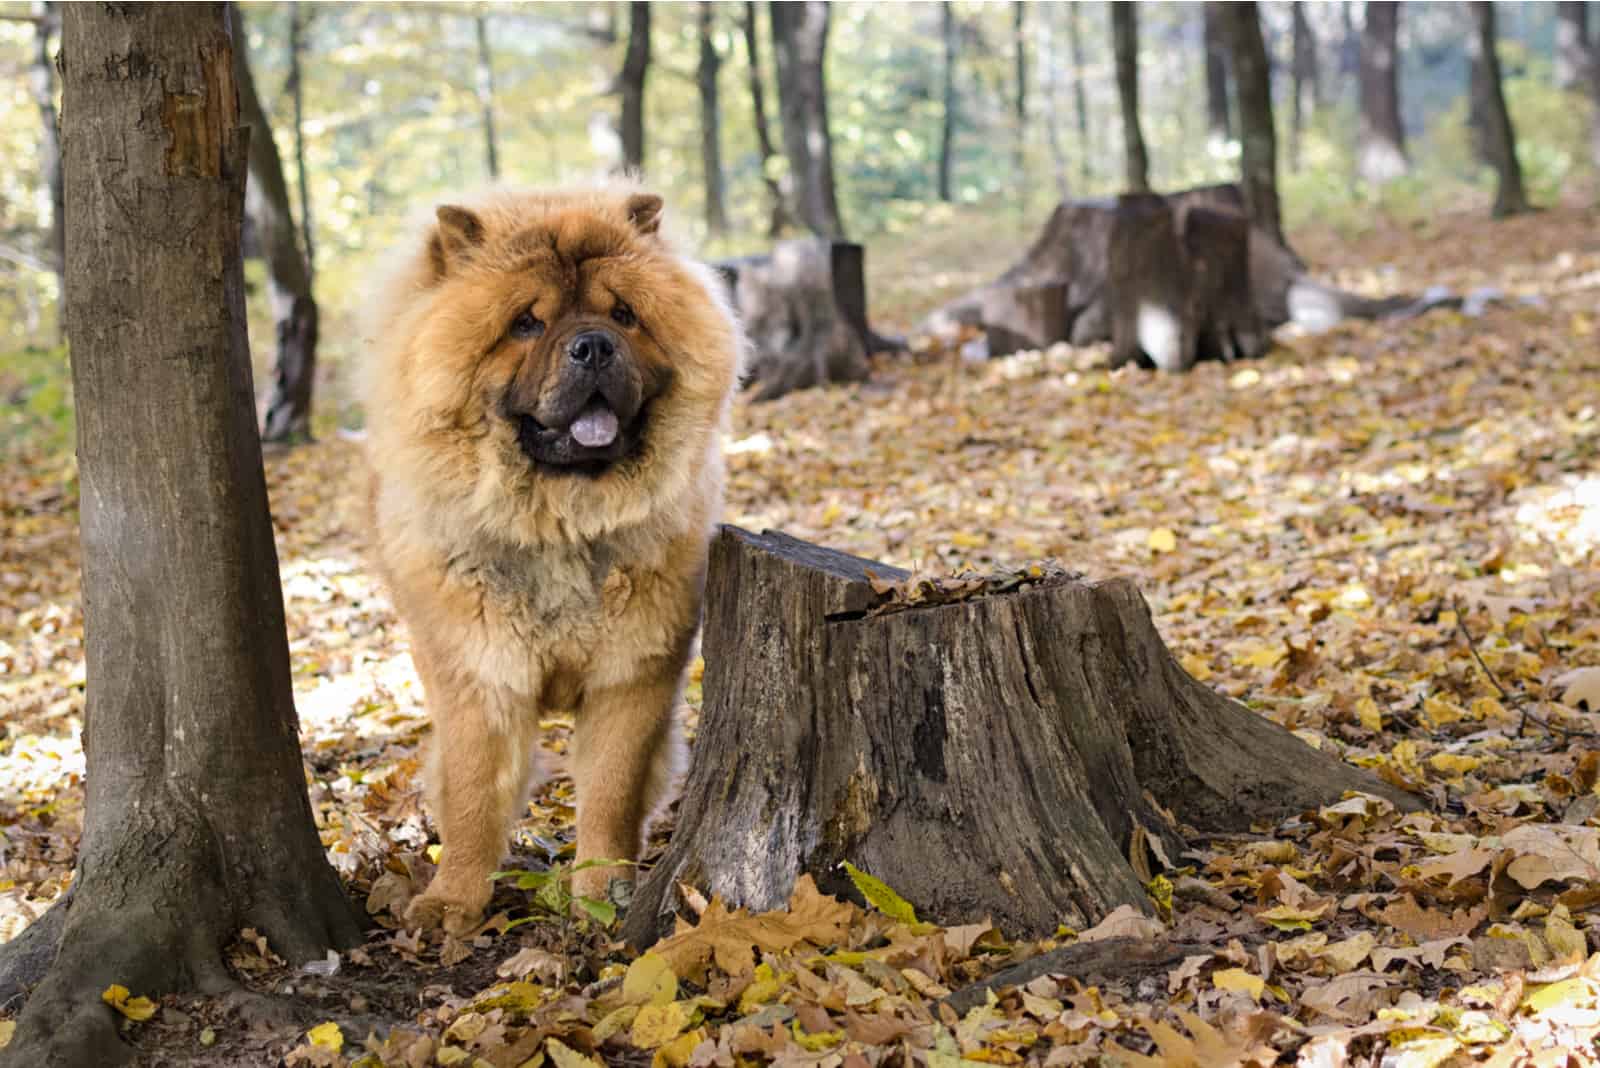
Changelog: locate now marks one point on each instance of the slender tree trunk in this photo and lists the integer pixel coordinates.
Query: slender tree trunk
(1219, 120)
(1349, 42)
(1307, 89)
(485, 85)
(42, 82)
(1019, 47)
(1574, 53)
(294, 307)
(778, 215)
(197, 821)
(635, 65)
(800, 40)
(711, 123)
(297, 27)
(1080, 94)
(1509, 198)
(1125, 44)
(1381, 155)
(1594, 112)
(1258, 165)
(1479, 90)
(947, 31)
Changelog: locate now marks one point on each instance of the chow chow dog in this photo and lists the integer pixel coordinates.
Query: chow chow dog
(547, 389)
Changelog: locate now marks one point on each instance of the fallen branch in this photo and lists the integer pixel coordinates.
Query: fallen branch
(1112, 958)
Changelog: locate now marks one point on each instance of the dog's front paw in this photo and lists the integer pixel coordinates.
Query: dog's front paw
(438, 910)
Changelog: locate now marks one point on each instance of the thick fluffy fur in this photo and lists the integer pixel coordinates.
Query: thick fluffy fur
(531, 588)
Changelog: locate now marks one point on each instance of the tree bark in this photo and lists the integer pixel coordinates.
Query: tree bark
(635, 65)
(1306, 94)
(1500, 140)
(779, 215)
(1080, 95)
(947, 127)
(1019, 49)
(711, 123)
(800, 41)
(1574, 51)
(1258, 161)
(1381, 152)
(294, 307)
(1032, 740)
(1219, 118)
(197, 821)
(485, 87)
(1125, 44)
(804, 312)
(42, 83)
(297, 92)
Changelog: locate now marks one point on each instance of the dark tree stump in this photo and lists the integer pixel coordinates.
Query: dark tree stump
(1025, 317)
(1216, 247)
(804, 309)
(1153, 306)
(1002, 756)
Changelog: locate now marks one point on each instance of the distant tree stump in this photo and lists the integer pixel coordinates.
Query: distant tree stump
(1153, 306)
(1001, 756)
(804, 309)
(1216, 248)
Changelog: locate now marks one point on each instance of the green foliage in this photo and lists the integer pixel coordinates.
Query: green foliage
(36, 413)
(553, 900)
(880, 896)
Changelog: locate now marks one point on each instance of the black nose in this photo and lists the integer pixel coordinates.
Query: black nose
(592, 348)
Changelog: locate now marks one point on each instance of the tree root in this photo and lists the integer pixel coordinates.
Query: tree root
(1112, 958)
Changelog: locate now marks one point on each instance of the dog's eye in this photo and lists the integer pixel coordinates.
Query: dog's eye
(526, 326)
(623, 315)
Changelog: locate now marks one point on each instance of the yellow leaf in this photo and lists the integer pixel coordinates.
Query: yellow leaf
(1240, 980)
(765, 987)
(1371, 718)
(1162, 540)
(449, 1055)
(658, 1024)
(137, 1009)
(435, 851)
(1453, 764)
(1197, 668)
(1574, 991)
(817, 1042)
(832, 512)
(7, 1029)
(327, 1035)
(969, 541)
(565, 1056)
(649, 981)
(1265, 657)
(675, 1054)
(880, 896)
(1438, 711)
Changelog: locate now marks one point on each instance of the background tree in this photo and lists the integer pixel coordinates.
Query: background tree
(484, 84)
(1219, 120)
(197, 820)
(1125, 45)
(1306, 93)
(947, 125)
(1080, 98)
(800, 41)
(294, 307)
(42, 84)
(1573, 48)
(1019, 51)
(711, 121)
(1500, 141)
(1258, 163)
(295, 87)
(1381, 149)
(778, 214)
(635, 65)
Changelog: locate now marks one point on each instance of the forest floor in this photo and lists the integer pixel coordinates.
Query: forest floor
(1386, 538)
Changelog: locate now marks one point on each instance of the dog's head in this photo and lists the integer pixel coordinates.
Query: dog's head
(563, 355)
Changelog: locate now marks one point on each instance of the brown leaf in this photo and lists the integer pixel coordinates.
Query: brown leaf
(730, 937)
(1427, 925)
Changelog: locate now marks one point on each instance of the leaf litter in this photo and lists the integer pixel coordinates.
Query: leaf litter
(1382, 538)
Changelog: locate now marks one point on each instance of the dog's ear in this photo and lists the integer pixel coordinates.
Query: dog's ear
(458, 233)
(644, 212)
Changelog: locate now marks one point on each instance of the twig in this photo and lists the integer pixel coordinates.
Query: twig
(1519, 701)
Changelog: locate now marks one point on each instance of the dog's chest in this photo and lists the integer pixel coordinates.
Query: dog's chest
(549, 594)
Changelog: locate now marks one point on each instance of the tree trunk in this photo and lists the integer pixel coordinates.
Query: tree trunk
(1258, 161)
(42, 83)
(485, 86)
(1594, 113)
(294, 308)
(1306, 95)
(635, 65)
(1219, 120)
(197, 821)
(296, 87)
(779, 215)
(804, 312)
(1035, 740)
(1019, 49)
(1574, 53)
(1125, 43)
(800, 41)
(947, 127)
(1501, 142)
(711, 123)
(1050, 63)
(1080, 95)
(1381, 154)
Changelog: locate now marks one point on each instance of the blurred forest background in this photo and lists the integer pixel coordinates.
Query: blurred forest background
(397, 106)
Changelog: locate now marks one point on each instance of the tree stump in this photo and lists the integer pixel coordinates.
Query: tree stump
(1011, 755)
(804, 309)
(1216, 247)
(1153, 305)
(1025, 317)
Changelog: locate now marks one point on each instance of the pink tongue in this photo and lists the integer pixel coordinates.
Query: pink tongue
(596, 427)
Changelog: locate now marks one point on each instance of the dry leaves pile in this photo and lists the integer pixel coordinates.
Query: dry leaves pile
(1383, 538)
